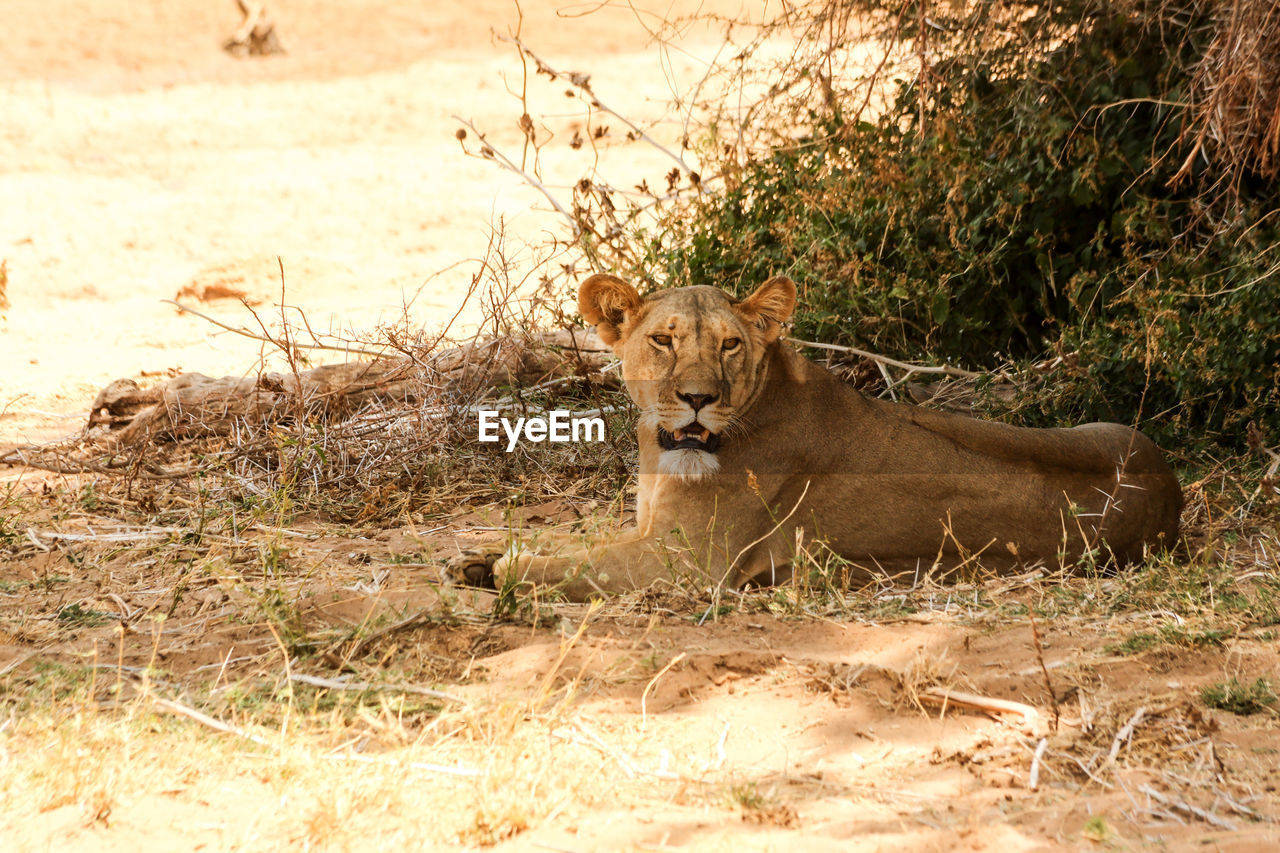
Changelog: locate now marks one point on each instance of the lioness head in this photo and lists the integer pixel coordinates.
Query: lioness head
(692, 358)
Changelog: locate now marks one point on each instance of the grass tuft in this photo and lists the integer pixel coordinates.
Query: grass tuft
(1241, 698)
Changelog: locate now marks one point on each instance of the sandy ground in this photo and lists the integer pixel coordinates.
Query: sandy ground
(638, 726)
(137, 159)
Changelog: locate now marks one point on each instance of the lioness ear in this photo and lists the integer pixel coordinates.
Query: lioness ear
(771, 306)
(605, 301)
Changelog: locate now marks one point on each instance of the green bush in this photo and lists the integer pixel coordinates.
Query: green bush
(1024, 205)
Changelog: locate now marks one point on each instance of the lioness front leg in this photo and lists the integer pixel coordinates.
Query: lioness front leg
(476, 566)
(629, 562)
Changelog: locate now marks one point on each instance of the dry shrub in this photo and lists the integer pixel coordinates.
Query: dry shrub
(371, 440)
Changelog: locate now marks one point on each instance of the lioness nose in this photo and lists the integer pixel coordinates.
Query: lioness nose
(697, 401)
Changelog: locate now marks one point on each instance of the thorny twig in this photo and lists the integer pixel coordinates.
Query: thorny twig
(490, 152)
(583, 83)
(267, 338)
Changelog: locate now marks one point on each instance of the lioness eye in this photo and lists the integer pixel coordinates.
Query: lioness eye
(662, 340)
(730, 344)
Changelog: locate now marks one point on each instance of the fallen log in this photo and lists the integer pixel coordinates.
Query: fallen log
(194, 405)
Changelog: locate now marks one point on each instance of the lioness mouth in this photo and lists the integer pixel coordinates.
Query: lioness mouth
(693, 437)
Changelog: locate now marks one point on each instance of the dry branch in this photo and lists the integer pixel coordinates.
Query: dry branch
(206, 720)
(1187, 808)
(910, 369)
(1123, 735)
(955, 699)
(366, 686)
(279, 343)
(583, 83)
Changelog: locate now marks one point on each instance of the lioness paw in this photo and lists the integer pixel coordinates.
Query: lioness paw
(473, 567)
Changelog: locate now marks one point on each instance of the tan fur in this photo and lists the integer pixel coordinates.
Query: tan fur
(892, 488)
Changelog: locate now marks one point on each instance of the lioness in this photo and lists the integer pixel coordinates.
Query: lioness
(747, 448)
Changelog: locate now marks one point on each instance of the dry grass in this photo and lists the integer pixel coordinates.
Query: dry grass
(90, 750)
(1235, 109)
(112, 728)
(165, 679)
(491, 775)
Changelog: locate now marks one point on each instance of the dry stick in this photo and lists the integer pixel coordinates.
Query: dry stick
(892, 362)
(17, 662)
(413, 621)
(943, 697)
(1083, 769)
(252, 13)
(125, 536)
(1237, 807)
(644, 697)
(18, 456)
(1126, 732)
(31, 534)
(1044, 670)
(211, 722)
(1033, 781)
(628, 766)
(363, 686)
(492, 153)
(1180, 805)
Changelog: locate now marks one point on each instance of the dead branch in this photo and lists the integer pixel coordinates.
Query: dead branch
(366, 686)
(1187, 808)
(1033, 778)
(489, 152)
(205, 720)
(1125, 732)
(891, 362)
(944, 698)
(266, 338)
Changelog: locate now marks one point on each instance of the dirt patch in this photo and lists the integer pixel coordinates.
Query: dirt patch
(757, 725)
(748, 727)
